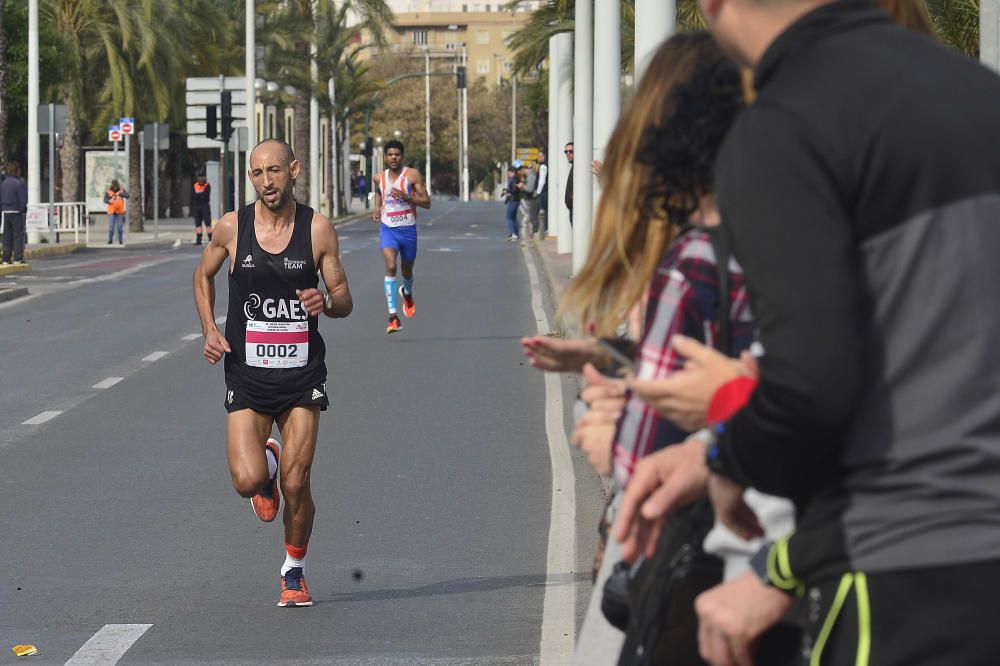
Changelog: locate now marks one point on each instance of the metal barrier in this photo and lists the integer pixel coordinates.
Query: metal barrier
(55, 218)
(58, 218)
(69, 217)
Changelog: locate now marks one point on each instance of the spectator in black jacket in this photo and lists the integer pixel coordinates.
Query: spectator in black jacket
(14, 204)
(863, 209)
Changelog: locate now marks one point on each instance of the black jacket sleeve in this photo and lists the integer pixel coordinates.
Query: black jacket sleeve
(782, 209)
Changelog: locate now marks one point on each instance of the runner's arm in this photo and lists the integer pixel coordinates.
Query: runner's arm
(377, 212)
(419, 194)
(338, 301)
(204, 286)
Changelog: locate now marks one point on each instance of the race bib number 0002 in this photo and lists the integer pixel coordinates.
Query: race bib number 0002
(277, 344)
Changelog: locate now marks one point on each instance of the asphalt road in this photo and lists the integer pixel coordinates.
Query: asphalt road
(121, 537)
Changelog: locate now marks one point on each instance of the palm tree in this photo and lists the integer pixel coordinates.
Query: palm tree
(530, 44)
(293, 26)
(957, 23)
(135, 54)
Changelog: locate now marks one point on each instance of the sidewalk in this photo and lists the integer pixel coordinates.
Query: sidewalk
(168, 231)
(557, 268)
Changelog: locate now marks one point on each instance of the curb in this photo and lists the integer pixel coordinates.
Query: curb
(353, 218)
(10, 269)
(52, 250)
(555, 288)
(11, 294)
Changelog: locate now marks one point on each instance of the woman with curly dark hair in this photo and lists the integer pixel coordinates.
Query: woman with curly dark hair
(649, 256)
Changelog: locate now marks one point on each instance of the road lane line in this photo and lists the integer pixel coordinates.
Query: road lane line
(220, 320)
(191, 336)
(108, 645)
(559, 604)
(156, 356)
(107, 383)
(434, 219)
(43, 417)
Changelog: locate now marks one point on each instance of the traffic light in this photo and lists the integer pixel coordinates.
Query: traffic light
(368, 146)
(211, 130)
(227, 115)
(460, 77)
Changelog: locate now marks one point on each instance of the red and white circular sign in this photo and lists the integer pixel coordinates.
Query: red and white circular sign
(115, 135)
(127, 125)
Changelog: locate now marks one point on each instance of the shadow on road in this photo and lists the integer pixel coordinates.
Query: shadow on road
(461, 586)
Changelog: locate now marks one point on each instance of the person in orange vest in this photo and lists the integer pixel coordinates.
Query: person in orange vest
(201, 207)
(115, 198)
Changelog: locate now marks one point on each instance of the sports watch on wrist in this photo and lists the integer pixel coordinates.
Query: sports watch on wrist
(712, 453)
(328, 302)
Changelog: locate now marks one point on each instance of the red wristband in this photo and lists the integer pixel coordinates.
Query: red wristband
(730, 398)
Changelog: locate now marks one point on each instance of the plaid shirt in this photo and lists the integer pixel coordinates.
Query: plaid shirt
(683, 298)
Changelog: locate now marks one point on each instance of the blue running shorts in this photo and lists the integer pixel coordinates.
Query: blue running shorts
(401, 239)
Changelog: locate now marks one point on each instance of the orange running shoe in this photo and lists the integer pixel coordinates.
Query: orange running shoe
(394, 325)
(409, 307)
(267, 502)
(293, 590)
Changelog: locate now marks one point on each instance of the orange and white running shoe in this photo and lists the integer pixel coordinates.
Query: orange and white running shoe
(394, 325)
(267, 502)
(293, 590)
(409, 307)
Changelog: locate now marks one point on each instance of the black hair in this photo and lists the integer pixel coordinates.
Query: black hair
(394, 143)
(683, 147)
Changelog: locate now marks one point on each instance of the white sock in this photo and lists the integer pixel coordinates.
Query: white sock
(291, 563)
(272, 463)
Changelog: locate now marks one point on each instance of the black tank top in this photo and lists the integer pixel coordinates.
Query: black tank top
(277, 348)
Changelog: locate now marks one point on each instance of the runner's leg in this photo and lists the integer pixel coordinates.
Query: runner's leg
(389, 254)
(246, 433)
(299, 427)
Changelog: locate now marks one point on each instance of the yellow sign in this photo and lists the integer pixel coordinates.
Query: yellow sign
(528, 155)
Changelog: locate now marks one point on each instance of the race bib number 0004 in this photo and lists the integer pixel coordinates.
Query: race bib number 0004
(277, 344)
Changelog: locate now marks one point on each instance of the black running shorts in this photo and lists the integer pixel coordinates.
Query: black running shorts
(274, 404)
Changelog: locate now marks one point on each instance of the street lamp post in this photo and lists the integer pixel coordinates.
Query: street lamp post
(564, 69)
(513, 118)
(583, 127)
(250, 66)
(427, 117)
(374, 98)
(607, 77)
(314, 179)
(465, 129)
(334, 150)
(655, 20)
(34, 156)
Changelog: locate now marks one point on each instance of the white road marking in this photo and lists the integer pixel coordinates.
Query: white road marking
(43, 417)
(108, 645)
(107, 383)
(191, 336)
(559, 605)
(177, 243)
(156, 356)
(441, 249)
(431, 221)
(76, 283)
(220, 320)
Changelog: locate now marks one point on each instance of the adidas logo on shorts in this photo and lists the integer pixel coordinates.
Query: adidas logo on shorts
(317, 394)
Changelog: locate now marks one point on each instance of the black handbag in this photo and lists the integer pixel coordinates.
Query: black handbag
(663, 626)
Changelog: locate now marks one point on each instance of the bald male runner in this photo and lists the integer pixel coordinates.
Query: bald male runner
(274, 355)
